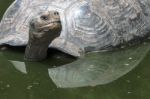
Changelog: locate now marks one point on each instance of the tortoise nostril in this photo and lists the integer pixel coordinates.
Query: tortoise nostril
(56, 13)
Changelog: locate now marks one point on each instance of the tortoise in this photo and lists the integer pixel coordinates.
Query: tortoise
(83, 26)
(87, 25)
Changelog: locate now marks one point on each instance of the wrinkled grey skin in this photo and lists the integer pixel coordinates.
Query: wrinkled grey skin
(87, 25)
(43, 29)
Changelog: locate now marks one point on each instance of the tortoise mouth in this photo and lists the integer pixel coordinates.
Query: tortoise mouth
(51, 25)
(52, 22)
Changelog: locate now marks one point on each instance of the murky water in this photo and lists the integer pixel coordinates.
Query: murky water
(30, 80)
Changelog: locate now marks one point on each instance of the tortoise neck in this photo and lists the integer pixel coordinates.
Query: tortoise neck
(37, 46)
(38, 43)
(36, 52)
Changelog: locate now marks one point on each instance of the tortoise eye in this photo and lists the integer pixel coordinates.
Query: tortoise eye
(44, 17)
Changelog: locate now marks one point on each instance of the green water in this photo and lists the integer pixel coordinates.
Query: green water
(30, 80)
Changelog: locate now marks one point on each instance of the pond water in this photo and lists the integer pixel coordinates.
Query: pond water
(31, 80)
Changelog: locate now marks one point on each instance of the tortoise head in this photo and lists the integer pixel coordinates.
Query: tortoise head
(46, 21)
(44, 28)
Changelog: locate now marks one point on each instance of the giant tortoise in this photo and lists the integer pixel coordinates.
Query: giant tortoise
(83, 25)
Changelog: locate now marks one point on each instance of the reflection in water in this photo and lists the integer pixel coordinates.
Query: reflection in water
(98, 68)
(37, 84)
(20, 66)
